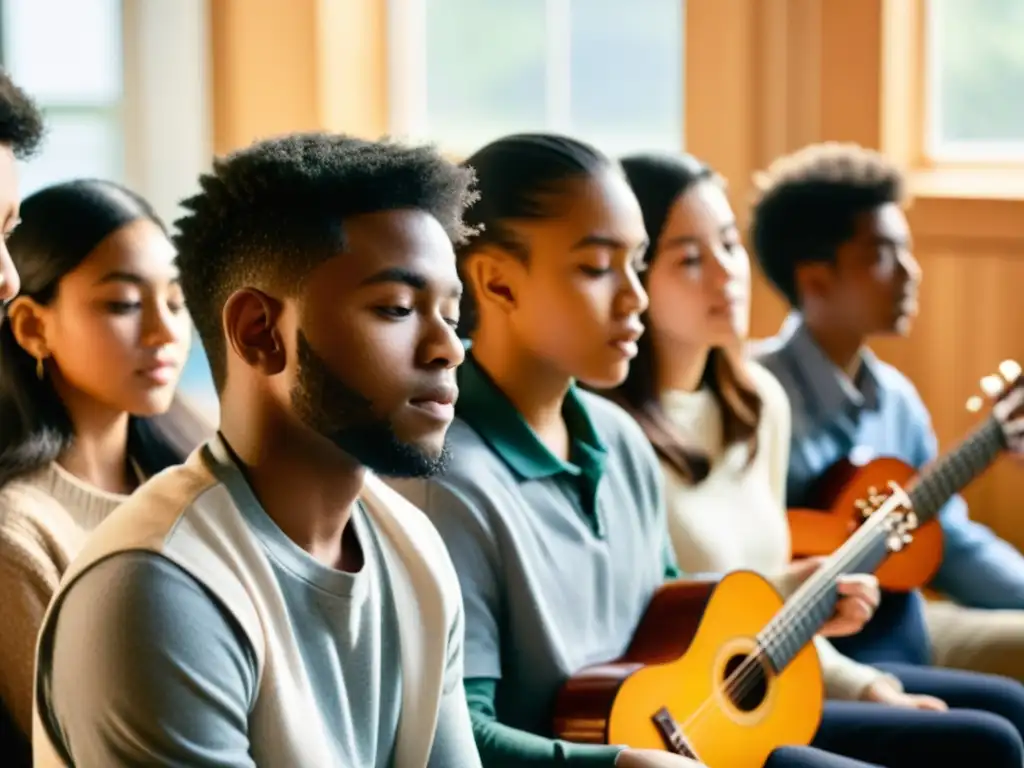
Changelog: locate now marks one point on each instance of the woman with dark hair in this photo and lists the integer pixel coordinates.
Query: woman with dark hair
(552, 507)
(90, 354)
(720, 424)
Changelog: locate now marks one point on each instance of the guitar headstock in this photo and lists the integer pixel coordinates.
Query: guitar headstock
(892, 510)
(1006, 389)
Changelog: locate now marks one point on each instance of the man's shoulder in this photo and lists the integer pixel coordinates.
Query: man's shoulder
(172, 491)
(892, 380)
(148, 596)
(134, 624)
(124, 581)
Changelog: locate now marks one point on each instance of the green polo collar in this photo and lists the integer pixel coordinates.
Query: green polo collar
(487, 410)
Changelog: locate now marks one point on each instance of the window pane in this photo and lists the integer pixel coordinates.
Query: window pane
(485, 69)
(977, 71)
(627, 74)
(65, 51)
(606, 70)
(75, 145)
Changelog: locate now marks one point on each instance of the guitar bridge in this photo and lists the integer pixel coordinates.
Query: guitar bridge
(672, 734)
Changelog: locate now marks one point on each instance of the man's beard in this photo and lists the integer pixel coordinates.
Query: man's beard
(328, 406)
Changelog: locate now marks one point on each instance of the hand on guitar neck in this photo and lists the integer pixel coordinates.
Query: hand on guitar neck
(1009, 412)
(654, 758)
(859, 596)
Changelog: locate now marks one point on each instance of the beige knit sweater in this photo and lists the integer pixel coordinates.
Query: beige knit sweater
(44, 519)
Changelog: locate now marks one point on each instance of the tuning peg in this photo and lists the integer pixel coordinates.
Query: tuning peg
(1009, 370)
(991, 385)
(894, 542)
(974, 403)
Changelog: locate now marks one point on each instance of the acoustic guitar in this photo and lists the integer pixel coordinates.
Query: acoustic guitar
(724, 671)
(841, 499)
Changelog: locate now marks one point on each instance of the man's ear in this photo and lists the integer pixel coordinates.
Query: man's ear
(814, 279)
(251, 323)
(27, 319)
(495, 277)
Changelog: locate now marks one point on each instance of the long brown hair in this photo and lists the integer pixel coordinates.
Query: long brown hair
(658, 181)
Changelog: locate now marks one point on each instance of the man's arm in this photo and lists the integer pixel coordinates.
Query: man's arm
(148, 669)
(978, 569)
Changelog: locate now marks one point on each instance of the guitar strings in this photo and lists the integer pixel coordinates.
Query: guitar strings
(743, 679)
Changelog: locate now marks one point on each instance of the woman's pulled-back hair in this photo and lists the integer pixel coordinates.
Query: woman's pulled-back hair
(519, 178)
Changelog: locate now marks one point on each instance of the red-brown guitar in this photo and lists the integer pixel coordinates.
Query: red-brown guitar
(844, 492)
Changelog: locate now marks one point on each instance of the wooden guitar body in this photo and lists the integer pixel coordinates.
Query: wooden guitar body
(821, 530)
(678, 664)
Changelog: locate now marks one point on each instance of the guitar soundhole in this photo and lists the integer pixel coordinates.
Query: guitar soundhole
(746, 682)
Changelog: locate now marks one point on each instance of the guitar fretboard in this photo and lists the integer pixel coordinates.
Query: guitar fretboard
(957, 469)
(814, 602)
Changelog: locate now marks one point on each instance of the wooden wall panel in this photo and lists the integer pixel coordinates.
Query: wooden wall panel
(970, 245)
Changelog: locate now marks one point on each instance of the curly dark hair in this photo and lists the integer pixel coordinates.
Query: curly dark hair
(273, 211)
(21, 122)
(808, 204)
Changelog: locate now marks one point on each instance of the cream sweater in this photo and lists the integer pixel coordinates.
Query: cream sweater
(44, 520)
(735, 519)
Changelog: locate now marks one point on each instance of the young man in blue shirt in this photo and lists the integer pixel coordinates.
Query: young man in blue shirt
(830, 234)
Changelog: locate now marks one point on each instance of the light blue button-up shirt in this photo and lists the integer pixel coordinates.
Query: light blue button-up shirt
(880, 413)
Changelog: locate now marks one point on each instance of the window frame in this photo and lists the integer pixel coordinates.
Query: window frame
(157, 102)
(111, 113)
(906, 117)
(918, 31)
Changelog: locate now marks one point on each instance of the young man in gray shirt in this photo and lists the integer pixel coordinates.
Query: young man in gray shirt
(272, 602)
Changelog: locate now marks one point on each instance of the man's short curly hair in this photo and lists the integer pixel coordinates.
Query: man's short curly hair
(808, 203)
(21, 122)
(270, 213)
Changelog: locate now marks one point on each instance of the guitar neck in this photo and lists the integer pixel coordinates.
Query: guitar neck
(814, 602)
(954, 471)
(807, 610)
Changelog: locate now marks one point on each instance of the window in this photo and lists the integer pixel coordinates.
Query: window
(68, 55)
(468, 71)
(975, 69)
